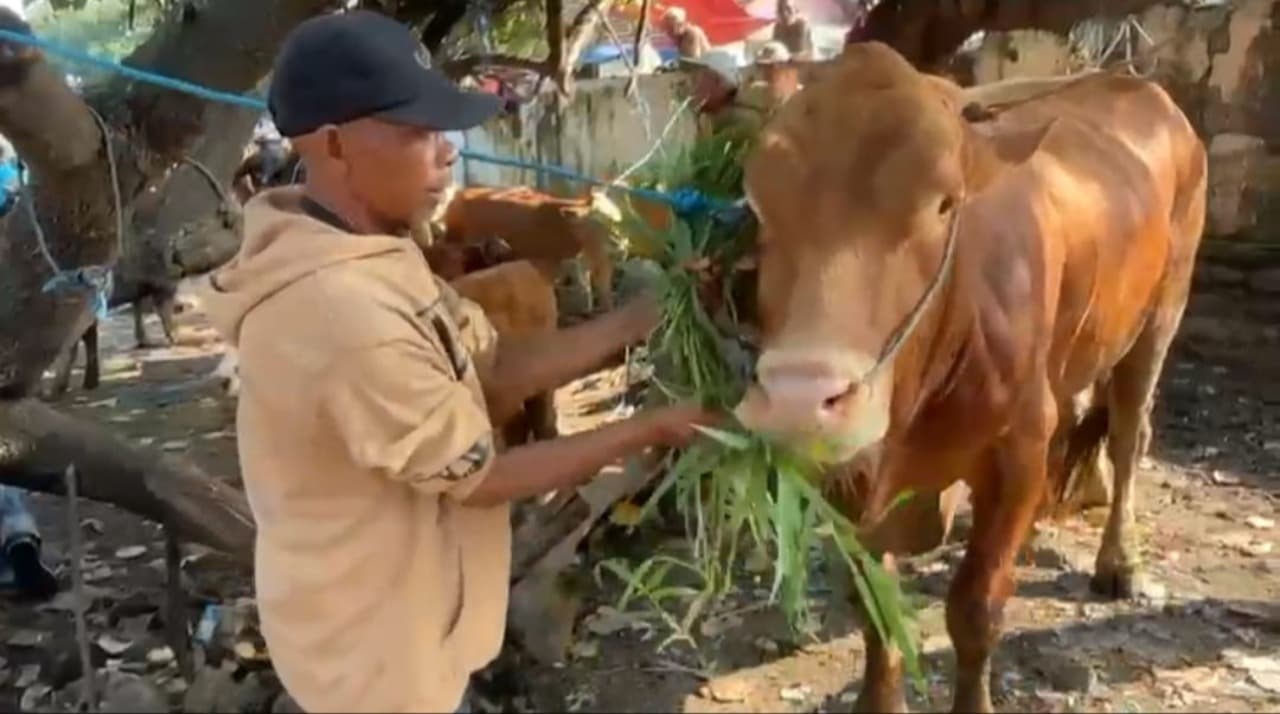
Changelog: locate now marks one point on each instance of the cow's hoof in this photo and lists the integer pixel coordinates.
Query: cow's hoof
(91, 384)
(1117, 582)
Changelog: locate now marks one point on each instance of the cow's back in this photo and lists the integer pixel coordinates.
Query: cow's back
(516, 297)
(532, 223)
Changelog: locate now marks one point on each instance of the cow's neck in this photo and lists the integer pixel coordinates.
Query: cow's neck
(934, 356)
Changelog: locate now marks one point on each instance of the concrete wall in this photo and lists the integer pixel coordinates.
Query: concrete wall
(1222, 66)
(600, 132)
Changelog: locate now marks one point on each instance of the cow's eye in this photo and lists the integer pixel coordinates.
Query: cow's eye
(946, 204)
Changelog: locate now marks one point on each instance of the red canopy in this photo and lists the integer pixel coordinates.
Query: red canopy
(724, 21)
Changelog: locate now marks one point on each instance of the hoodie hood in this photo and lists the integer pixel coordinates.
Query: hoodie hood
(282, 245)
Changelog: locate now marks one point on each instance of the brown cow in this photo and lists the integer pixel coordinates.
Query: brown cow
(519, 301)
(540, 228)
(934, 292)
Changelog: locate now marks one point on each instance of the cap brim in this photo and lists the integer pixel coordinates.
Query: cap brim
(444, 106)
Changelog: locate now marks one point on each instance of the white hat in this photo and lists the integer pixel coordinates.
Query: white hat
(721, 62)
(772, 52)
(16, 6)
(675, 14)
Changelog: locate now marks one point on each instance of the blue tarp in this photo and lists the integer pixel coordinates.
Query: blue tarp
(609, 52)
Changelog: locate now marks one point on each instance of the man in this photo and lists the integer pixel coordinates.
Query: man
(780, 77)
(722, 104)
(691, 41)
(21, 566)
(793, 31)
(369, 389)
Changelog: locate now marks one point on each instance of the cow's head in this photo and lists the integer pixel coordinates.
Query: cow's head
(859, 183)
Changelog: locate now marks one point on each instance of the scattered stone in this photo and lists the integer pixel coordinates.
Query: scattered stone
(1068, 675)
(160, 656)
(27, 638)
(795, 695)
(607, 621)
(34, 697)
(27, 676)
(849, 698)
(98, 574)
(1049, 558)
(1269, 681)
(585, 649)
(716, 626)
(726, 690)
(92, 526)
(131, 552)
(131, 693)
(1223, 479)
(245, 651)
(112, 646)
(1152, 591)
(1260, 523)
(766, 645)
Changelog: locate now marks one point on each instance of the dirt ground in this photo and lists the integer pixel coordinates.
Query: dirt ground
(1205, 636)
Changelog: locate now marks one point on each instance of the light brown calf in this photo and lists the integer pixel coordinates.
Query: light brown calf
(519, 301)
(935, 292)
(538, 227)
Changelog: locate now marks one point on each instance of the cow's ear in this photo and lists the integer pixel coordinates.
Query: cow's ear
(992, 149)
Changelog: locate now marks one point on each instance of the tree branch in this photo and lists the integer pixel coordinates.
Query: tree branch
(466, 65)
(927, 32)
(555, 34)
(241, 34)
(41, 443)
(581, 32)
(642, 26)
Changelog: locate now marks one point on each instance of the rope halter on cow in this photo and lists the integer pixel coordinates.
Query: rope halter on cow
(899, 336)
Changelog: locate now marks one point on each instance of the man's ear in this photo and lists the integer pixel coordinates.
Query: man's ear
(991, 149)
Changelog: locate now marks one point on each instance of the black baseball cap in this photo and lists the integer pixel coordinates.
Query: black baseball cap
(338, 68)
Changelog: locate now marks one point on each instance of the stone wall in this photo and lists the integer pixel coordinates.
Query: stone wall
(1222, 66)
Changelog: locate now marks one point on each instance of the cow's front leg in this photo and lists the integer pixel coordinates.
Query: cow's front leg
(882, 682)
(1005, 500)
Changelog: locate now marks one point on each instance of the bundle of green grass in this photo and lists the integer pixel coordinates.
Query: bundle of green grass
(735, 490)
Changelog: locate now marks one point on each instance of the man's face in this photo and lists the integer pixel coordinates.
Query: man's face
(673, 25)
(400, 173)
(786, 11)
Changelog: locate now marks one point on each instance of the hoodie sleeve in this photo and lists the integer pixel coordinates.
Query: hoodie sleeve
(400, 413)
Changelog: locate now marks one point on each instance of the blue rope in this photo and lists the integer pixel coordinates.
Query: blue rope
(685, 202)
(82, 57)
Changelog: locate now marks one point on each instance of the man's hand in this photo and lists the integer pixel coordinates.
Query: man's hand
(640, 316)
(674, 425)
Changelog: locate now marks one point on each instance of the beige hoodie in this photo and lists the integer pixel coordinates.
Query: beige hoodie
(361, 424)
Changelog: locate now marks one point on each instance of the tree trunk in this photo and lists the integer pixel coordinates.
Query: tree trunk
(927, 32)
(227, 45)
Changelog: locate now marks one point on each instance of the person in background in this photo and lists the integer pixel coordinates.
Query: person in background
(370, 389)
(691, 41)
(722, 104)
(793, 31)
(21, 565)
(780, 77)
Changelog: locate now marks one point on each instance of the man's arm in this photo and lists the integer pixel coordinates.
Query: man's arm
(398, 413)
(525, 367)
(569, 461)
